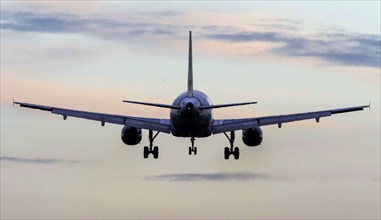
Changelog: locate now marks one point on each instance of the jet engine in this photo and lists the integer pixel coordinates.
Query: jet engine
(252, 137)
(131, 135)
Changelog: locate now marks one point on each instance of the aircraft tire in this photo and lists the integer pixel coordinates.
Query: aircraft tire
(236, 153)
(155, 152)
(145, 152)
(226, 153)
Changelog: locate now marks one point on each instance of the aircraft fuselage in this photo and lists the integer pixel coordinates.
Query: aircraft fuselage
(189, 120)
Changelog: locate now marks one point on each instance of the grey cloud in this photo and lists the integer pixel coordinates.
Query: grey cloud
(249, 176)
(163, 13)
(339, 48)
(36, 160)
(34, 22)
(345, 49)
(361, 50)
(218, 28)
(5, 14)
(69, 23)
(247, 37)
(162, 32)
(240, 176)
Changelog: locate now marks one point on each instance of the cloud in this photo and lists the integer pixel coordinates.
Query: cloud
(247, 37)
(71, 23)
(240, 176)
(218, 28)
(339, 48)
(28, 21)
(344, 49)
(249, 176)
(36, 160)
(356, 50)
(169, 13)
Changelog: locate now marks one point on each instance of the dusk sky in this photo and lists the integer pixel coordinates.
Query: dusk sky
(290, 57)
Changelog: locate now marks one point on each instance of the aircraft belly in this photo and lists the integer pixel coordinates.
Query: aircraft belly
(191, 127)
(191, 131)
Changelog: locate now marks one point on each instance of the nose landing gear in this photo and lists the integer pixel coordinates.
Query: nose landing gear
(192, 148)
(232, 150)
(151, 150)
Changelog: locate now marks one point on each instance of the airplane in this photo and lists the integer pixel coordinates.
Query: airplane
(191, 116)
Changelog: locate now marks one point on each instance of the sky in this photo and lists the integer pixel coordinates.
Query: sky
(290, 57)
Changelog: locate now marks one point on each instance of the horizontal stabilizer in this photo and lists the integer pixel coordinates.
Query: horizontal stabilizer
(153, 104)
(227, 105)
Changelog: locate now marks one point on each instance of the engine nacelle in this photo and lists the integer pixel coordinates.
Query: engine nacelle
(252, 137)
(131, 135)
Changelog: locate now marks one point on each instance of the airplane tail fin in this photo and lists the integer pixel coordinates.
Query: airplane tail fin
(190, 67)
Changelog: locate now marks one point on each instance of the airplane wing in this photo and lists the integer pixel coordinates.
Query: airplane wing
(220, 126)
(155, 124)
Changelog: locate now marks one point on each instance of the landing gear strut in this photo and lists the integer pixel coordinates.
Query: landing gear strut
(151, 150)
(193, 148)
(232, 150)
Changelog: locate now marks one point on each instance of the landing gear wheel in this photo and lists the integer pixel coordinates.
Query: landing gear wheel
(192, 148)
(148, 150)
(155, 152)
(236, 153)
(145, 152)
(232, 150)
(227, 153)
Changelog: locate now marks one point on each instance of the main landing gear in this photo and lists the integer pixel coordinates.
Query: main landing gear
(193, 148)
(232, 150)
(151, 150)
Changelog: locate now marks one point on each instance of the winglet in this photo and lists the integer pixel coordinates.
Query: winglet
(13, 102)
(369, 106)
(190, 67)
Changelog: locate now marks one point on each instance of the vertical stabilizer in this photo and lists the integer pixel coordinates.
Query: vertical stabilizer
(190, 67)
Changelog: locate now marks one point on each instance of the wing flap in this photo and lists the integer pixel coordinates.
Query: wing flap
(270, 120)
(114, 119)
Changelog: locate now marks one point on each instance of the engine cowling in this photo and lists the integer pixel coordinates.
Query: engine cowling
(252, 137)
(131, 135)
